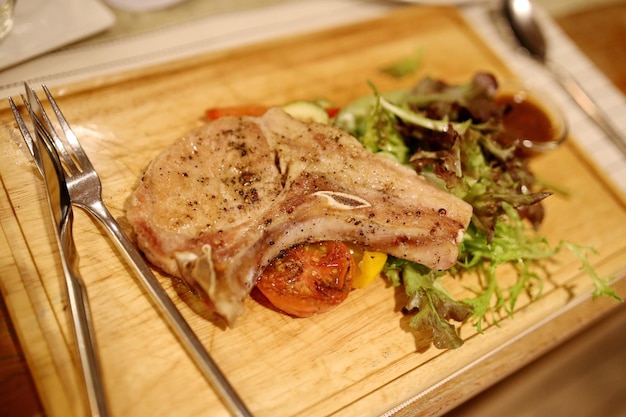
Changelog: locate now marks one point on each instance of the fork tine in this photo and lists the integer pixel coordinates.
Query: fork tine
(48, 131)
(33, 141)
(34, 150)
(81, 157)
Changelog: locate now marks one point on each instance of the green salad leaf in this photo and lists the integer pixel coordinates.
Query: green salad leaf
(405, 66)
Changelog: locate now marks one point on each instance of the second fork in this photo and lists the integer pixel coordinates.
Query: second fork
(60, 207)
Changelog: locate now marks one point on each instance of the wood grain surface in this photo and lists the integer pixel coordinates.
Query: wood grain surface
(358, 360)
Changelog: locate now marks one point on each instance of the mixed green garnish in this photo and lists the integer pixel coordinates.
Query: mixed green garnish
(452, 135)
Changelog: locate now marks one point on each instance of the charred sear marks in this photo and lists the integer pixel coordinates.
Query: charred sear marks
(281, 168)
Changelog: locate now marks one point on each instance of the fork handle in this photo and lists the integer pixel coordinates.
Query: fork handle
(174, 318)
(85, 345)
(85, 338)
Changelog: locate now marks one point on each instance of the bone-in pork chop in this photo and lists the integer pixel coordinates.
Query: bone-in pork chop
(218, 205)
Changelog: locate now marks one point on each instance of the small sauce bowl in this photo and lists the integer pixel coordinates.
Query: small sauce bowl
(531, 120)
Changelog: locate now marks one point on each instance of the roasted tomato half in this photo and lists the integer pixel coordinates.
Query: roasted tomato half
(309, 279)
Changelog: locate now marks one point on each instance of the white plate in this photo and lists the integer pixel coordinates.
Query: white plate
(40, 26)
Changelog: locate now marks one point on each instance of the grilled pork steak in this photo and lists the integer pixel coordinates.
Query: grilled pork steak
(224, 200)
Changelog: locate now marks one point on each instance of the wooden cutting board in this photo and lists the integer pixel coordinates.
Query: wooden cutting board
(359, 360)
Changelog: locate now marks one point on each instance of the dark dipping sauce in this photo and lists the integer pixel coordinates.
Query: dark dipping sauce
(524, 120)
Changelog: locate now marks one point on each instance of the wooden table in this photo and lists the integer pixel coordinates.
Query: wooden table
(18, 397)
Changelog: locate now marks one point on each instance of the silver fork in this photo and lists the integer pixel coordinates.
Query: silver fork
(85, 190)
(60, 206)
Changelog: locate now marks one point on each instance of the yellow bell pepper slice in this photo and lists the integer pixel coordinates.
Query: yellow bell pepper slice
(368, 267)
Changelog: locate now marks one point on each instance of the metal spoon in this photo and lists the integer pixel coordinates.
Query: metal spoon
(521, 18)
